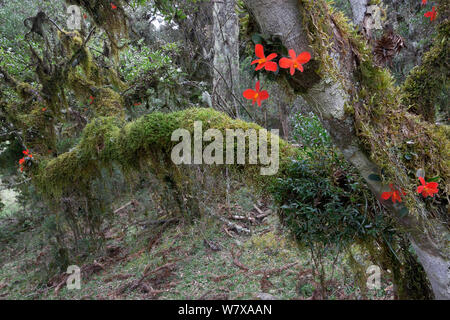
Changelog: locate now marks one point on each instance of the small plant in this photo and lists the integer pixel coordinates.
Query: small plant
(323, 201)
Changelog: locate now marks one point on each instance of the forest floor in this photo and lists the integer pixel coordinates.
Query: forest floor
(200, 260)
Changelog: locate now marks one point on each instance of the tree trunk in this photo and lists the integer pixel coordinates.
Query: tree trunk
(226, 57)
(329, 99)
(358, 10)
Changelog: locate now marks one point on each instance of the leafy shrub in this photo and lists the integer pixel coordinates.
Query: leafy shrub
(323, 199)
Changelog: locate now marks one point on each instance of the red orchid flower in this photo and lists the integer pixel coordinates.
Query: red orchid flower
(427, 188)
(431, 14)
(137, 104)
(395, 194)
(44, 109)
(92, 99)
(263, 61)
(27, 153)
(21, 169)
(113, 6)
(256, 95)
(21, 161)
(85, 16)
(295, 62)
(424, 1)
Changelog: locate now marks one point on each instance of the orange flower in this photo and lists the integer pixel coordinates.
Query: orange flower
(424, 1)
(113, 6)
(21, 161)
(431, 14)
(137, 104)
(395, 194)
(44, 109)
(27, 153)
(263, 61)
(256, 95)
(295, 62)
(427, 189)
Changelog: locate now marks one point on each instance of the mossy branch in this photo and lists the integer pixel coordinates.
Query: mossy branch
(107, 141)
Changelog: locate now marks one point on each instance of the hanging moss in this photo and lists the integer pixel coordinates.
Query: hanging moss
(71, 41)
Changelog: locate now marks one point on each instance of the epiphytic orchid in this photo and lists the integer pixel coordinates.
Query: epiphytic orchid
(431, 14)
(424, 2)
(113, 6)
(256, 95)
(27, 153)
(427, 188)
(22, 161)
(295, 62)
(263, 61)
(395, 194)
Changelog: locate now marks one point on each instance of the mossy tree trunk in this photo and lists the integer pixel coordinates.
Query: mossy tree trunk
(337, 85)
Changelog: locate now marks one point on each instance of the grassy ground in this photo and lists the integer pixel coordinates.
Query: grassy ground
(199, 260)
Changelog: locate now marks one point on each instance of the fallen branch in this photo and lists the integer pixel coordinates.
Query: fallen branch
(275, 271)
(258, 209)
(132, 202)
(237, 263)
(233, 226)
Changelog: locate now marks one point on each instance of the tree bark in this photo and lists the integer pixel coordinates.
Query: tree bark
(226, 57)
(328, 98)
(358, 10)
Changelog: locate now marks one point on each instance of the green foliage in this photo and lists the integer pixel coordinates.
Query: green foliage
(310, 132)
(138, 60)
(435, 62)
(322, 199)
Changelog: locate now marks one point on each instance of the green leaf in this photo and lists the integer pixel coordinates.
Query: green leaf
(435, 179)
(374, 177)
(403, 212)
(257, 38)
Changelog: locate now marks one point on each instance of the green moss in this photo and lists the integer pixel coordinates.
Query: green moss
(398, 141)
(429, 77)
(71, 41)
(145, 141)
